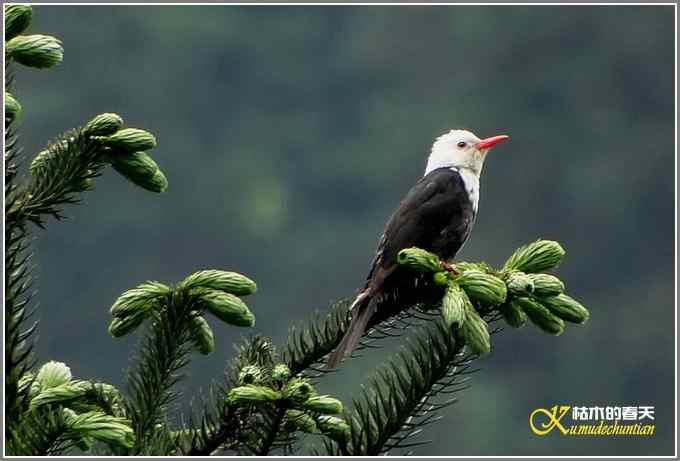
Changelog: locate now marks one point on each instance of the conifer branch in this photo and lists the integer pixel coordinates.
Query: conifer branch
(40, 433)
(163, 353)
(400, 397)
(18, 335)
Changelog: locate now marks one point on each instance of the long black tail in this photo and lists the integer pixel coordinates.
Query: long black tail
(362, 310)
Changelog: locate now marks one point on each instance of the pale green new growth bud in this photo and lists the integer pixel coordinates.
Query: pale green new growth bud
(546, 285)
(541, 316)
(281, 372)
(85, 184)
(519, 283)
(324, 404)
(29, 384)
(38, 161)
(225, 306)
(538, 256)
(454, 305)
(513, 314)
(62, 393)
(333, 427)
(100, 426)
(120, 326)
(566, 308)
(68, 413)
(231, 282)
(17, 20)
(40, 51)
(419, 260)
(201, 333)
(103, 125)
(131, 140)
(140, 169)
(12, 107)
(475, 333)
(297, 420)
(441, 278)
(298, 390)
(252, 395)
(464, 266)
(485, 288)
(146, 296)
(250, 374)
(53, 374)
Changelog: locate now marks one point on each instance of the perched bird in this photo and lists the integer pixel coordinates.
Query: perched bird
(437, 215)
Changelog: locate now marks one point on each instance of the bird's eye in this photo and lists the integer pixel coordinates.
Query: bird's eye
(462, 144)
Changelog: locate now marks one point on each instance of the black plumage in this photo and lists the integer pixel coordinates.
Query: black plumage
(437, 215)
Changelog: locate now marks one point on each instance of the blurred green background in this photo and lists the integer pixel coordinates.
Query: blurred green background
(289, 134)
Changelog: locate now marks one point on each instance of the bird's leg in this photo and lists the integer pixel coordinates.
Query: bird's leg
(450, 268)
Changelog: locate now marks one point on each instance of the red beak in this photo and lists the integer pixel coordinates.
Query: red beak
(492, 141)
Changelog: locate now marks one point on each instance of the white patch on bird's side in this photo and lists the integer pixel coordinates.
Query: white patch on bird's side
(471, 181)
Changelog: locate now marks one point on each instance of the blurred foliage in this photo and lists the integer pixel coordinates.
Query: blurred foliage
(319, 119)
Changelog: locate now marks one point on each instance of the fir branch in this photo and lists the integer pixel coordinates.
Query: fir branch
(400, 398)
(39, 433)
(69, 163)
(164, 352)
(308, 344)
(18, 343)
(231, 427)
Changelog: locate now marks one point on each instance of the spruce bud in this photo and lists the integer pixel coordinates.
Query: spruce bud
(147, 295)
(62, 393)
(475, 333)
(53, 374)
(419, 260)
(250, 374)
(29, 385)
(281, 372)
(513, 314)
(464, 266)
(454, 305)
(566, 308)
(225, 306)
(441, 278)
(40, 51)
(120, 326)
(541, 316)
(201, 333)
(298, 390)
(538, 256)
(17, 20)
(140, 169)
(298, 420)
(103, 125)
(519, 283)
(130, 140)
(252, 395)
(38, 161)
(12, 107)
(231, 282)
(334, 427)
(324, 404)
(546, 285)
(485, 288)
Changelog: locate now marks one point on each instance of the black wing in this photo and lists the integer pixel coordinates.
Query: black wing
(435, 215)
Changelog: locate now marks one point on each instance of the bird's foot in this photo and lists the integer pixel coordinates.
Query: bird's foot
(450, 268)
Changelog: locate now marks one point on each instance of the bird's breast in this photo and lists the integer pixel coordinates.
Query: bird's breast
(471, 182)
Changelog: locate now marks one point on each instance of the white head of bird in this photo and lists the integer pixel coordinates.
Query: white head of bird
(461, 150)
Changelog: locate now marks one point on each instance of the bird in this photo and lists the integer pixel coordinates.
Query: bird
(437, 215)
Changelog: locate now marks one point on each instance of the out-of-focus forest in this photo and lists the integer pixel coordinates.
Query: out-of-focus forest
(289, 134)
